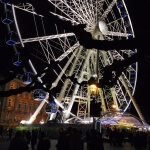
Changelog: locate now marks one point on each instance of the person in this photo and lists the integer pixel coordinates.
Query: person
(10, 132)
(95, 141)
(148, 141)
(28, 136)
(1, 131)
(34, 137)
(19, 142)
(44, 142)
(73, 139)
(60, 143)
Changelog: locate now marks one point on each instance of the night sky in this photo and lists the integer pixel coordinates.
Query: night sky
(139, 13)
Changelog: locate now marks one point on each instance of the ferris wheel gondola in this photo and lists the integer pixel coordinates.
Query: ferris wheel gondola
(7, 17)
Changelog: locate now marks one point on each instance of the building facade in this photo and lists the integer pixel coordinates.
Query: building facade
(19, 107)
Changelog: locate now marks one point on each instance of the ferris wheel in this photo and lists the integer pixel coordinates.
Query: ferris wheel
(48, 43)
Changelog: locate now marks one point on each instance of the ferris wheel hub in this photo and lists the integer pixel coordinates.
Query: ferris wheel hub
(103, 27)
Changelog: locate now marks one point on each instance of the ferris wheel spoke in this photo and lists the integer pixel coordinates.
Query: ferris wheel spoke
(120, 94)
(66, 53)
(129, 83)
(80, 10)
(65, 18)
(89, 10)
(45, 51)
(50, 37)
(131, 97)
(69, 10)
(111, 33)
(111, 5)
(86, 9)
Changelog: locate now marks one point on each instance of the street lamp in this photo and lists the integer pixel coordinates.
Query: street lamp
(95, 106)
(93, 89)
(93, 86)
(114, 106)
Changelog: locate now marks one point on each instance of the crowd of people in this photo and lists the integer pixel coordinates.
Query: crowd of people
(23, 139)
(73, 138)
(140, 140)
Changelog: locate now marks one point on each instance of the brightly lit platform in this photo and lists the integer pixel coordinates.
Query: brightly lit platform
(122, 119)
(114, 118)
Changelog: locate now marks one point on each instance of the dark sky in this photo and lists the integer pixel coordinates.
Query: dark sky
(139, 13)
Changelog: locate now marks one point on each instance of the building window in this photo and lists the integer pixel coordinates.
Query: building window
(30, 107)
(26, 94)
(0, 105)
(25, 107)
(19, 106)
(9, 102)
(11, 86)
(7, 117)
(16, 118)
(35, 107)
(22, 94)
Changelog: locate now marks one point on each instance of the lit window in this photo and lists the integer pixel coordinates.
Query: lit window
(9, 102)
(19, 106)
(36, 106)
(11, 86)
(30, 107)
(7, 117)
(16, 118)
(25, 107)
(27, 94)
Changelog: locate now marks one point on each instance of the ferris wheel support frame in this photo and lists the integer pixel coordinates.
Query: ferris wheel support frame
(132, 99)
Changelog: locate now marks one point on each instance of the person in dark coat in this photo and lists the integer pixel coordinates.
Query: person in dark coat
(19, 142)
(95, 141)
(1, 131)
(34, 137)
(10, 132)
(44, 142)
(60, 143)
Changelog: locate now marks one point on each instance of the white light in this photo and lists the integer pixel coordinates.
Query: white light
(103, 27)
(41, 122)
(23, 122)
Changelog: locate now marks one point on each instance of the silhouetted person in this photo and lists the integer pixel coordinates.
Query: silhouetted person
(10, 132)
(19, 142)
(44, 142)
(73, 139)
(34, 137)
(148, 141)
(61, 138)
(28, 136)
(76, 140)
(1, 131)
(95, 140)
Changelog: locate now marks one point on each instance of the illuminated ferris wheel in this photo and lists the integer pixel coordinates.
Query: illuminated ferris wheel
(105, 20)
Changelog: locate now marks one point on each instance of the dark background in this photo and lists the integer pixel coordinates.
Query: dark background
(139, 12)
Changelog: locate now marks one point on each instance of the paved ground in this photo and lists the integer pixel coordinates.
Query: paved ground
(4, 143)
